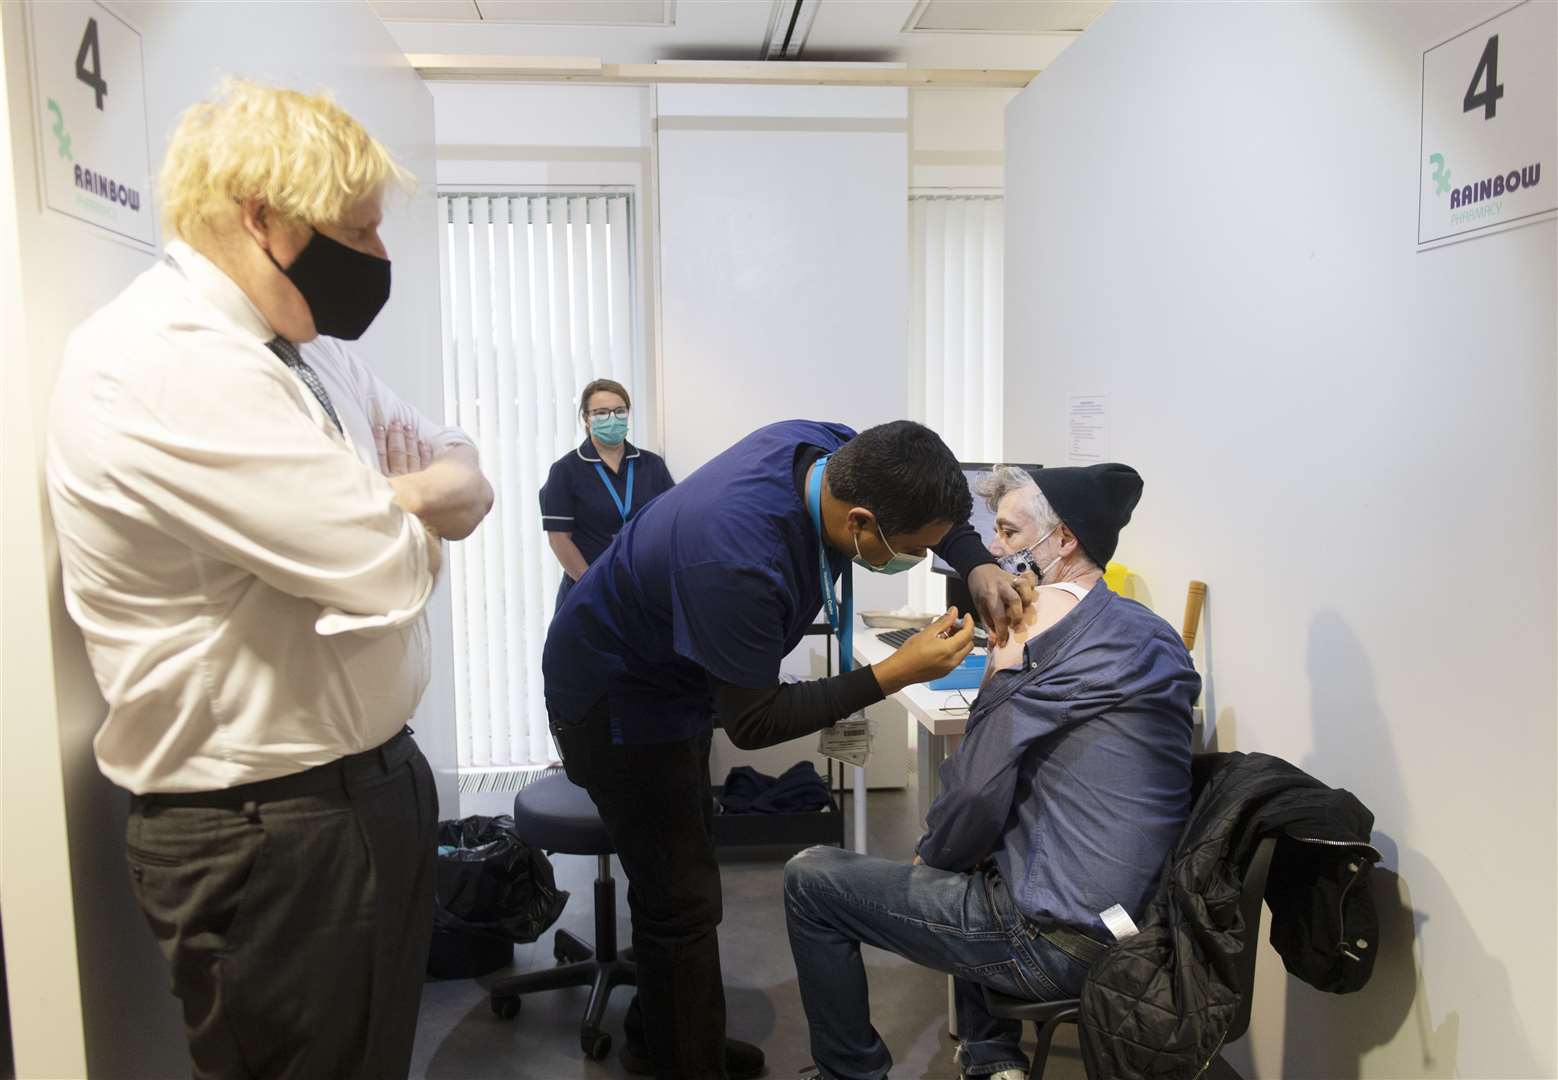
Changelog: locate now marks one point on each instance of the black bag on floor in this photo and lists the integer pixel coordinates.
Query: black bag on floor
(493, 890)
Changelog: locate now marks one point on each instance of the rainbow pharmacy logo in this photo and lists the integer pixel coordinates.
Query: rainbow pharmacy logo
(60, 134)
(1441, 177)
(1496, 186)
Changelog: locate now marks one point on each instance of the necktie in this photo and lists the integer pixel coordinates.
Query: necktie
(293, 359)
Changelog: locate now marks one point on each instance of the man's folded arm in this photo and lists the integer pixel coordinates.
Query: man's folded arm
(250, 479)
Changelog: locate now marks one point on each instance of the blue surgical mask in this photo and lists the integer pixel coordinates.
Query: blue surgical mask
(1019, 561)
(609, 430)
(896, 564)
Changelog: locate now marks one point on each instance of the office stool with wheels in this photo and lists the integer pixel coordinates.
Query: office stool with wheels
(557, 816)
(1047, 1016)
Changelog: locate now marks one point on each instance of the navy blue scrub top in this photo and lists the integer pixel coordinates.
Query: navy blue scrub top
(574, 500)
(719, 577)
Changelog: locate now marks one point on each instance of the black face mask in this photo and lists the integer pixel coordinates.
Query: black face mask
(345, 289)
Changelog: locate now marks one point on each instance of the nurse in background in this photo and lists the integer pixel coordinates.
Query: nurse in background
(593, 491)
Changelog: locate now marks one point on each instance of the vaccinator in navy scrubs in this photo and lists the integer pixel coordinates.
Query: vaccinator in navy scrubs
(681, 625)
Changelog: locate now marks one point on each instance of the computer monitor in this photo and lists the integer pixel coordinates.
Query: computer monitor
(983, 518)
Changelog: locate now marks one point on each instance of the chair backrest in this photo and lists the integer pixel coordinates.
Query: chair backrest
(1252, 896)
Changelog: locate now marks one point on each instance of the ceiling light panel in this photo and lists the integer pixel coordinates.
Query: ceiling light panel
(426, 10)
(1004, 16)
(788, 29)
(579, 12)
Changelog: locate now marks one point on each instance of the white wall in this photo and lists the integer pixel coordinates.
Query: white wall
(35, 885)
(783, 249)
(1211, 219)
(79, 957)
(783, 258)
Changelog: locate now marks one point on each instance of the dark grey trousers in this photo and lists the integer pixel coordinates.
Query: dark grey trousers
(296, 914)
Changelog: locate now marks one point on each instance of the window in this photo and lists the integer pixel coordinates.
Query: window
(537, 301)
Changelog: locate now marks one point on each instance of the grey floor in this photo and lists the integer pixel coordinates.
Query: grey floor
(458, 1037)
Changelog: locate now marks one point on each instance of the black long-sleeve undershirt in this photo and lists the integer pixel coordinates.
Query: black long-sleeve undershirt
(964, 550)
(771, 715)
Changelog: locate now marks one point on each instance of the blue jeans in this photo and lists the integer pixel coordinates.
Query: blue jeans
(963, 924)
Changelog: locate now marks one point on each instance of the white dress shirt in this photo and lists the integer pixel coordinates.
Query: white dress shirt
(251, 596)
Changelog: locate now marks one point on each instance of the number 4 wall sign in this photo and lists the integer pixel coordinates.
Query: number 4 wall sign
(89, 97)
(1490, 127)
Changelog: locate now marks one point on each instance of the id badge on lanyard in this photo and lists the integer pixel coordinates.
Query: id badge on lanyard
(624, 506)
(840, 617)
(848, 740)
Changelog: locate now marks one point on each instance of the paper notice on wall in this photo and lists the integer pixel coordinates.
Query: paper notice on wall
(1087, 439)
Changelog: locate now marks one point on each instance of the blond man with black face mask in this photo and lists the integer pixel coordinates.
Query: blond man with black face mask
(250, 525)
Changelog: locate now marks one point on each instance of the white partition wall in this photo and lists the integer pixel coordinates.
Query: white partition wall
(88, 989)
(783, 253)
(1212, 221)
(784, 278)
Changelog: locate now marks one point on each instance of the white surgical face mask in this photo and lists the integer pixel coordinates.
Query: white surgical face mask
(896, 563)
(1019, 561)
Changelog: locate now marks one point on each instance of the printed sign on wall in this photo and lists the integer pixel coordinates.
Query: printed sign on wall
(1087, 429)
(1490, 126)
(89, 87)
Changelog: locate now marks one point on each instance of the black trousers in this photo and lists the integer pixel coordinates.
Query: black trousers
(658, 808)
(296, 914)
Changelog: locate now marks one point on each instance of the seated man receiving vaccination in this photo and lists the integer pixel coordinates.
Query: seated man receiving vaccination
(1057, 810)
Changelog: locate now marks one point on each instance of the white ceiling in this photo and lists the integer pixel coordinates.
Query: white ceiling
(920, 33)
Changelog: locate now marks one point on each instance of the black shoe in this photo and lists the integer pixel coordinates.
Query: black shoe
(743, 1061)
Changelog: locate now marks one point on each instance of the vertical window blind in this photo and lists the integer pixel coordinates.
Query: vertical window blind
(537, 301)
(956, 256)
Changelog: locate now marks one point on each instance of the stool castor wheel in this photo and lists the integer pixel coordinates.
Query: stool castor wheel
(506, 1008)
(595, 1043)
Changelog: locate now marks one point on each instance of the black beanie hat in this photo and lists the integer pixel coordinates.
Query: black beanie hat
(1094, 501)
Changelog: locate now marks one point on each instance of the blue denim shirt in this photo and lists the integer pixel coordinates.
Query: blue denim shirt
(1075, 771)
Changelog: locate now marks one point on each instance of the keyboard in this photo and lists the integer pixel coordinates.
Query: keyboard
(899, 638)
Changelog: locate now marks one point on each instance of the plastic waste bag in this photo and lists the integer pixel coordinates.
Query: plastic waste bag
(491, 882)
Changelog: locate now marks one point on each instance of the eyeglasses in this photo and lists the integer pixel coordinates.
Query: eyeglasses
(621, 413)
(966, 707)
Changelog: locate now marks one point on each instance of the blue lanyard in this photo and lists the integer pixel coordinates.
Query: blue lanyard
(843, 623)
(623, 505)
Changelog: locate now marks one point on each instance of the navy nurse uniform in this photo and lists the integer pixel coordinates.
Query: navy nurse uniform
(719, 577)
(583, 496)
(703, 592)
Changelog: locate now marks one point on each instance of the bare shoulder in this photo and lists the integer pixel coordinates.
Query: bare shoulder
(1049, 607)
